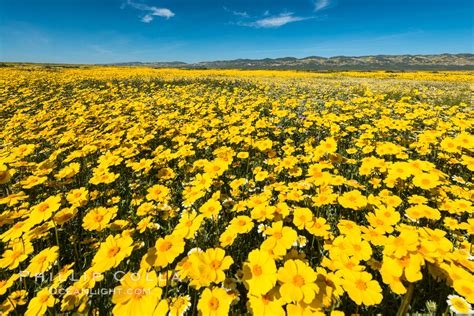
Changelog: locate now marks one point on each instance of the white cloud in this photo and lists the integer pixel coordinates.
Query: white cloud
(265, 20)
(152, 11)
(321, 4)
(163, 12)
(242, 14)
(275, 21)
(147, 18)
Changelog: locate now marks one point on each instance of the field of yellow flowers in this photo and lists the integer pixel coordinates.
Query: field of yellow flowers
(138, 191)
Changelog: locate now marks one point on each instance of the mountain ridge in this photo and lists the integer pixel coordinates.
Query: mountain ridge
(463, 61)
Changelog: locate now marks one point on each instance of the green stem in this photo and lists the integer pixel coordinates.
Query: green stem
(57, 243)
(167, 284)
(194, 303)
(402, 310)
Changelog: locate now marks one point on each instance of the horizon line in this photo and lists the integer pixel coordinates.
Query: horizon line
(235, 59)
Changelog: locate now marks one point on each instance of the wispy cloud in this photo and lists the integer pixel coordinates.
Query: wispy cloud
(150, 11)
(321, 4)
(242, 14)
(277, 21)
(264, 20)
(273, 21)
(147, 18)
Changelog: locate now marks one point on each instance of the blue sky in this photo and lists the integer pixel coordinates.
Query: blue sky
(103, 31)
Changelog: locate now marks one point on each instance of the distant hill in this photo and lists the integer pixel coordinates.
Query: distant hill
(376, 62)
(165, 64)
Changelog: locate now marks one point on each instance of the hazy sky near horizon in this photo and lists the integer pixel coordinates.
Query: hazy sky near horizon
(107, 31)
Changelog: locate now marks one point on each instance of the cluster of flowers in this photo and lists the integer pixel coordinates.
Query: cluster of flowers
(222, 192)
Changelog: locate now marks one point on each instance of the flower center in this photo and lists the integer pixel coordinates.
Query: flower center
(257, 270)
(459, 305)
(215, 264)
(41, 259)
(44, 298)
(399, 242)
(16, 254)
(138, 293)
(42, 207)
(350, 265)
(425, 181)
(113, 251)
(467, 290)
(298, 280)
(360, 284)
(213, 303)
(165, 246)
